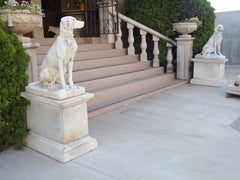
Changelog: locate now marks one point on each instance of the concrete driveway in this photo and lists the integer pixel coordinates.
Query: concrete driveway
(183, 134)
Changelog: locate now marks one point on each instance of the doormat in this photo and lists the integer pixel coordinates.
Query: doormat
(236, 124)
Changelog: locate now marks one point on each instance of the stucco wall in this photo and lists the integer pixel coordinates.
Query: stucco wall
(231, 35)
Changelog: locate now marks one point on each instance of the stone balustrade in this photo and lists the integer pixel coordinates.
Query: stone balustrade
(144, 30)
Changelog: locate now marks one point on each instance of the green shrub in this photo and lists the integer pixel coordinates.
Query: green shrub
(13, 64)
(161, 14)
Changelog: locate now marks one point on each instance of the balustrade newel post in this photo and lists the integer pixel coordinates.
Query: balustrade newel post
(156, 62)
(169, 58)
(131, 49)
(143, 56)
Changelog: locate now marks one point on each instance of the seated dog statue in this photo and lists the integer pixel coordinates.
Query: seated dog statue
(60, 55)
(213, 46)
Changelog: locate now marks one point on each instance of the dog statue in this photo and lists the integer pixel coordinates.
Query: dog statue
(213, 46)
(60, 55)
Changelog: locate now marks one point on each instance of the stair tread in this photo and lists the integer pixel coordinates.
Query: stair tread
(96, 73)
(104, 62)
(93, 112)
(127, 90)
(95, 85)
(135, 80)
(100, 54)
(87, 55)
(43, 49)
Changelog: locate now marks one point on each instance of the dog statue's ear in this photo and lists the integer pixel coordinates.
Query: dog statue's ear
(65, 23)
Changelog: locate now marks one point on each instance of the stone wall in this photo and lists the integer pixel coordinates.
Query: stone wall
(231, 35)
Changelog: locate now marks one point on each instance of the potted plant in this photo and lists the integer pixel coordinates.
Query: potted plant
(187, 26)
(20, 18)
(80, 4)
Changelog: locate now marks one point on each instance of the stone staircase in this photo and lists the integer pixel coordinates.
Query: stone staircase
(115, 78)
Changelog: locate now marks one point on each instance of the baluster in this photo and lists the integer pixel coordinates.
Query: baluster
(118, 43)
(155, 52)
(169, 58)
(143, 56)
(131, 50)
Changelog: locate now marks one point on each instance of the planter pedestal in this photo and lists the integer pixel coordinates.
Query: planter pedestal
(58, 122)
(209, 72)
(184, 55)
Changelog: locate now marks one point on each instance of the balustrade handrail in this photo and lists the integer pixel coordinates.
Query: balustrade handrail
(156, 36)
(145, 28)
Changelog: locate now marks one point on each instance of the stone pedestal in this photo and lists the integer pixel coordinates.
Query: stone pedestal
(184, 55)
(209, 72)
(58, 121)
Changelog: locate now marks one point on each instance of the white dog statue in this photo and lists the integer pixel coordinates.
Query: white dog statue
(213, 46)
(60, 55)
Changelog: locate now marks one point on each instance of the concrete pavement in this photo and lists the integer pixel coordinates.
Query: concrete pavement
(183, 134)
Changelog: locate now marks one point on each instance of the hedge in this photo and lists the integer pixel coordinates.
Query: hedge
(13, 64)
(161, 14)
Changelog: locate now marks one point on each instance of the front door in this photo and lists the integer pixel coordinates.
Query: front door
(91, 18)
(85, 10)
(52, 17)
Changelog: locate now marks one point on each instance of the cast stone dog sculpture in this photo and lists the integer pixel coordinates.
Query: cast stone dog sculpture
(61, 54)
(213, 46)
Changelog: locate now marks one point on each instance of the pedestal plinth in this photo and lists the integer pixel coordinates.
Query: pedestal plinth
(209, 72)
(184, 55)
(58, 122)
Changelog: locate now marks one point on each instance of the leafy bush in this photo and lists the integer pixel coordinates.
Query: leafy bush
(13, 63)
(161, 14)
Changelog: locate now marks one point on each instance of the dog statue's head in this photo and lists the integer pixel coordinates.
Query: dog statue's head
(219, 29)
(68, 23)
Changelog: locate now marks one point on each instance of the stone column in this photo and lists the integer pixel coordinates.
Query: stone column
(32, 70)
(58, 121)
(184, 55)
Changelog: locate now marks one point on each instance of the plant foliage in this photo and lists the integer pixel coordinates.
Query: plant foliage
(161, 14)
(13, 63)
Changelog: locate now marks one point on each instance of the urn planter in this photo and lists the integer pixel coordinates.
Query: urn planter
(21, 21)
(185, 28)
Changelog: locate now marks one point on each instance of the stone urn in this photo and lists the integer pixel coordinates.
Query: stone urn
(21, 22)
(185, 28)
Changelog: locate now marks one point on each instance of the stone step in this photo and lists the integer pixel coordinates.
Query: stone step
(118, 93)
(91, 74)
(82, 40)
(104, 62)
(117, 105)
(91, 54)
(107, 82)
(43, 49)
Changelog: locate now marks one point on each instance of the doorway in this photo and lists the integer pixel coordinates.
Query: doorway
(56, 9)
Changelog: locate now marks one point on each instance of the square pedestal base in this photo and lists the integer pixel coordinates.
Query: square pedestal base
(209, 72)
(61, 152)
(58, 122)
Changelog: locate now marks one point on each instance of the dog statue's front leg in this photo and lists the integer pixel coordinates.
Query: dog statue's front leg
(61, 73)
(70, 69)
(215, 48)
(219, 50)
